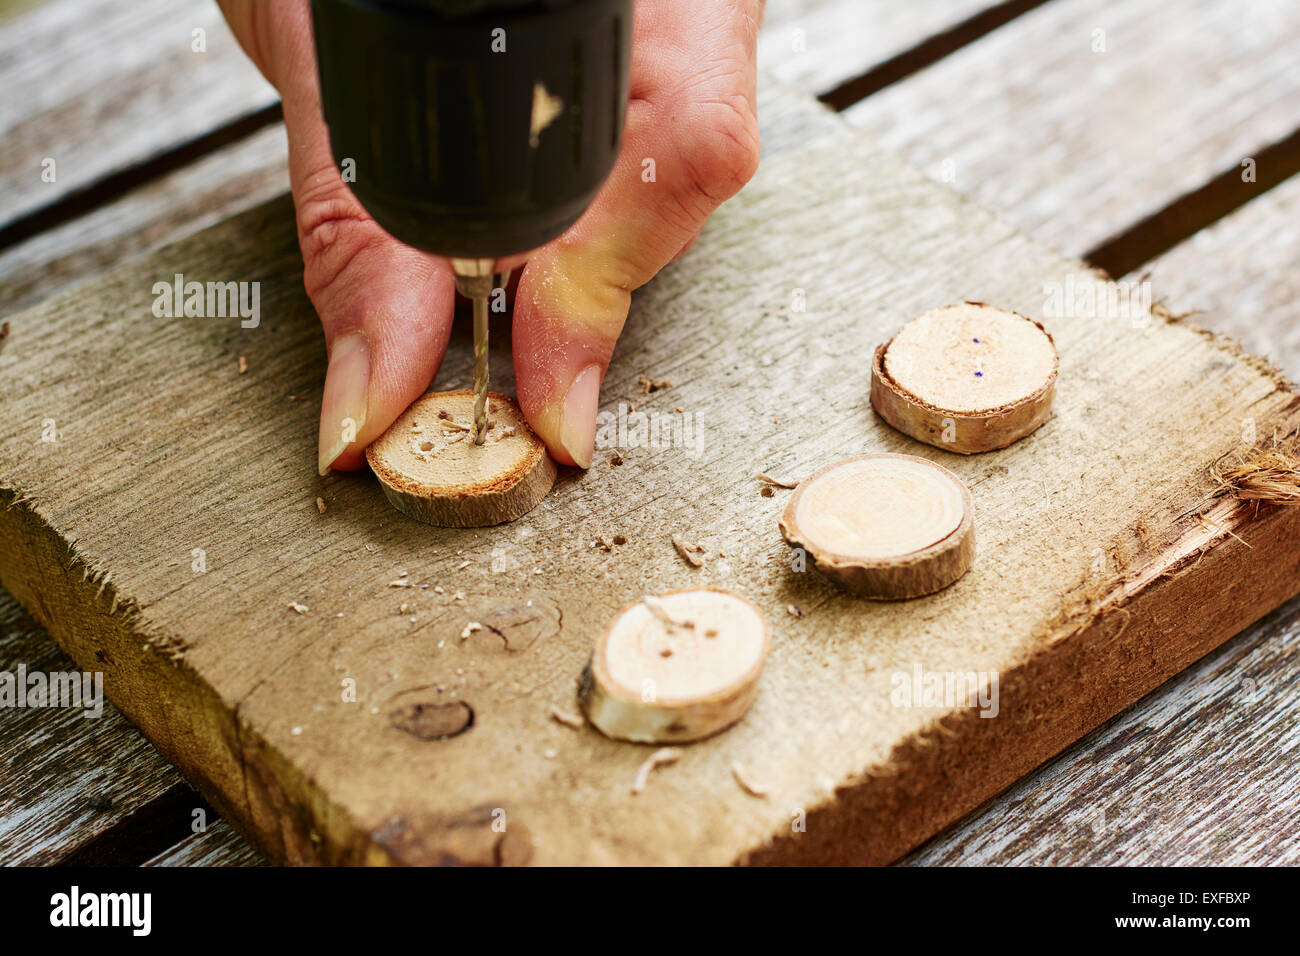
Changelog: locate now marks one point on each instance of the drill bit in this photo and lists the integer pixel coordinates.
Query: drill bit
(474, 281)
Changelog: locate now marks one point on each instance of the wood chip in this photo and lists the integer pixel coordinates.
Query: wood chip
(664, 755)
(320, 505)
(243, 365)
(399, 583)
(648, 385)
(748, 785)
(779, 482)
(470, 628)
(693, 553)
(567, 718)
(298, 608)
(614, 460)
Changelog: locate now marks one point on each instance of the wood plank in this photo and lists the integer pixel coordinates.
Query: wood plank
(1198, 773)
(100, 86)
(65, 779)
(816, 45)
(220, 845)
(1076, 146)
(1240, 276)
(1172, 779)
(228, 181)
(100, 529)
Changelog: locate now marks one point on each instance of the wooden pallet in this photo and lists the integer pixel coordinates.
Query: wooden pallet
(1105, 554)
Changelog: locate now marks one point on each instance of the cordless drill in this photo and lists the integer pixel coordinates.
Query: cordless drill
(476, 129)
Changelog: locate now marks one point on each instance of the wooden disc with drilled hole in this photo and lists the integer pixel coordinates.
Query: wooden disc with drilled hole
(886, 527)
(675, 668)
(966, 378)
(431, 469)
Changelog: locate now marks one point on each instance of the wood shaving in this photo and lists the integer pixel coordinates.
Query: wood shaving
(320, 504)
(748, 785)
(470, 628)
(399, 583)
(647, 385)
(660, 757)
(243, 365)
(568, 719)
(779, 482)
(659, 610)
(298, 608)
(793, 611)
(693, 553)
(614, 460)
(462, 566)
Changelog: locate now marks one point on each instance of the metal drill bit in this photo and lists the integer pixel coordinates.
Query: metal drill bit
(474, 281)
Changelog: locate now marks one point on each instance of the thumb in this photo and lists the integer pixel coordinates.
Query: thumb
(677, 165)
(385, 308)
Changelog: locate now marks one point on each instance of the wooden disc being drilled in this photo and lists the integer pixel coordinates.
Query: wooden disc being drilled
(676, 668)
(431, 469)
(966, 378)
(886, 527)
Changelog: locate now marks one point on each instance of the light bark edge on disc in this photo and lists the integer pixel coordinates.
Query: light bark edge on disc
(962, 431)
(870, 570)
(631, 690)
(431, 470)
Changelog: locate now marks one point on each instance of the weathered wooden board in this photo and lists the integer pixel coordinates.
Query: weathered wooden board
(228, 181)
(220, 845)
(64, 778)
(1092, 584)
(1242, 276)
(90, 84)
(816, 45)
(1201, 772)
(1075, 145)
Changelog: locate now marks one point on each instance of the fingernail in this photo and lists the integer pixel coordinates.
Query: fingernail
(343, 407)
(578, 419)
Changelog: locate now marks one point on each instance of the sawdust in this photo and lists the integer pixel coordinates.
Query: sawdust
(647, 385)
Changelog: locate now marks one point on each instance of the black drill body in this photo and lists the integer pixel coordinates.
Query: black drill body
(476, 128)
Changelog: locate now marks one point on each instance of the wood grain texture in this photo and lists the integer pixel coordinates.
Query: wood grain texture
(1074, 146)
(1242, 276)
(815, 45)
(250, 698)
(220, 845)
(229, 181)
(64, 778)
(1199, 773)
(100, 85)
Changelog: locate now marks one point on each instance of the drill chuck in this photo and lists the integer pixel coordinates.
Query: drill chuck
(474, 128)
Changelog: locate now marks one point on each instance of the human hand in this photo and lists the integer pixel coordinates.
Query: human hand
(387, 309)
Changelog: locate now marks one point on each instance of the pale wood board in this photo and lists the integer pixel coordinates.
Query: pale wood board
(1242, 276)
(64, 778)
(815, 45)
(220, 673)
(1074, 146)
(228, 181)
(125, 71)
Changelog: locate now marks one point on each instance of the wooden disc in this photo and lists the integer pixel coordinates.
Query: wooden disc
(675, 668)
(966, 378)
(886, 527)
(431, 469)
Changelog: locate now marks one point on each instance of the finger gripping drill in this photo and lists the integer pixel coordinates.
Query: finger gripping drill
(474, 129)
